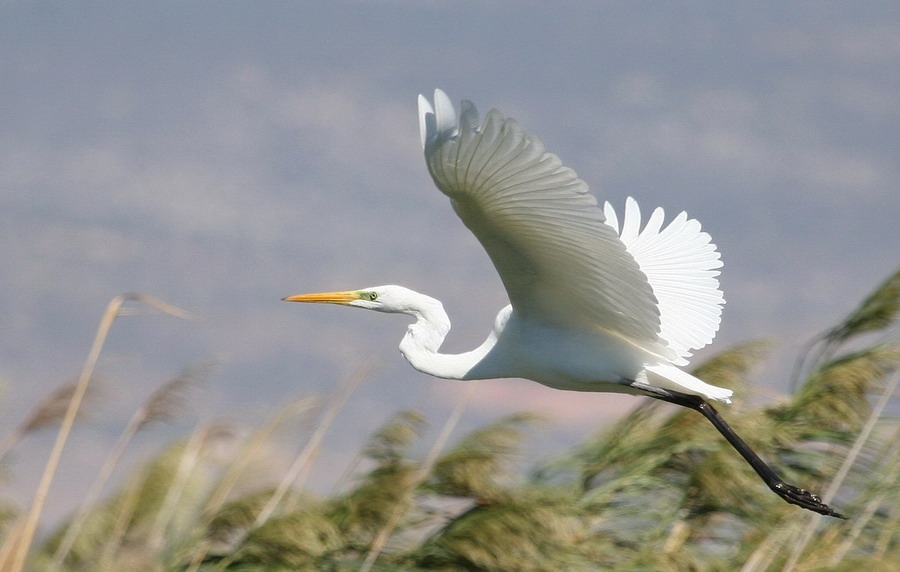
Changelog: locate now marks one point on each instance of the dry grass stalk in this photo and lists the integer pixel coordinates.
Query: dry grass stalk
(245, 454)
(169, 400)
(859, 523)
(384, 534)
(26, 532)
(302, 463)
(50, 411)
(877, 312)
(247, 451)
(838, 480)
(163, 404)
(200, 439)
(120, 528)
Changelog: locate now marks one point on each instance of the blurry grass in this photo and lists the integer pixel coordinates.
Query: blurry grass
(49, 412)
(15, 549)
(164, 403)
(656, 490)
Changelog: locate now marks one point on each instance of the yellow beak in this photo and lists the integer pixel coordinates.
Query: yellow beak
(326, 297)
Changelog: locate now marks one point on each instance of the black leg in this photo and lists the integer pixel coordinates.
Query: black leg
(789, 493)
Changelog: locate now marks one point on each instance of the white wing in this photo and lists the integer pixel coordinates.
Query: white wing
(545, 235)
(680, 262)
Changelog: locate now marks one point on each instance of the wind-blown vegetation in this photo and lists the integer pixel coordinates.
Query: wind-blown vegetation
(657, 490)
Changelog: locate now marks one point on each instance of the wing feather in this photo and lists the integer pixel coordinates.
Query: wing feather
(681, 264)
(558, 260)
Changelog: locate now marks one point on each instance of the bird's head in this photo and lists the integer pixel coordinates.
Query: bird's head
(393, 299)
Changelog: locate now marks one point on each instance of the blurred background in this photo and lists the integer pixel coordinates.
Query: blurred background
(220, 156)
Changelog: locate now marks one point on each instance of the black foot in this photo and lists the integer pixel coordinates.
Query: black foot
(791, 494)
(803, 498)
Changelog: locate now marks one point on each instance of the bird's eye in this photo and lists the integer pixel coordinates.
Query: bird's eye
(372, 296)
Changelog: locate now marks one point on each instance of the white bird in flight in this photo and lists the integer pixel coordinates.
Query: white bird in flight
(595, 304)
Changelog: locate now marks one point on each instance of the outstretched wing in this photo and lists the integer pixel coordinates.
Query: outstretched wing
(681, 265)
(545, 234)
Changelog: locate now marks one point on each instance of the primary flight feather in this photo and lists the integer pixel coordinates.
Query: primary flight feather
(596, 303)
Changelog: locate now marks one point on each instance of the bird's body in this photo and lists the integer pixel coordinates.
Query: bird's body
(595, 305)
(553, 355)
(519, 347)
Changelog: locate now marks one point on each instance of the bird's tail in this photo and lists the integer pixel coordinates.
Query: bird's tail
(668, 376)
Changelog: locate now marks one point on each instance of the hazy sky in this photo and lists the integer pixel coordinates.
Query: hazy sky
(223, 155)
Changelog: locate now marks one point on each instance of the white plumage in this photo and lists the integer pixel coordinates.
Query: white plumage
(595, 304)
(646, 296)
(680, 263)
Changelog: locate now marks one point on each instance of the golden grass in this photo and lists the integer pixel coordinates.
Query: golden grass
(659, 489)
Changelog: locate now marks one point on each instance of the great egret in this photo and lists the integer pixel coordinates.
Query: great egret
(594, 305)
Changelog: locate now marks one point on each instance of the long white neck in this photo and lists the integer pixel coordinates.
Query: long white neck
(423, 339)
